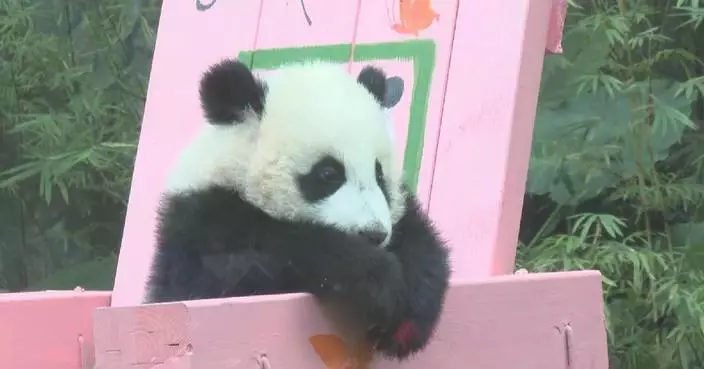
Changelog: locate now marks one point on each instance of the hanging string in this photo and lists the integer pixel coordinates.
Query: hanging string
(354, 36)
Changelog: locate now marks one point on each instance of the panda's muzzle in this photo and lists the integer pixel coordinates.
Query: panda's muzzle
(374, 236)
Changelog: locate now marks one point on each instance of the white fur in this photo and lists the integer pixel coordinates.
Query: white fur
(311, 109)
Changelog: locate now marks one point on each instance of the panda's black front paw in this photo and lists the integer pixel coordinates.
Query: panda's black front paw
(405, 340)
(379, 298)
(409, 332)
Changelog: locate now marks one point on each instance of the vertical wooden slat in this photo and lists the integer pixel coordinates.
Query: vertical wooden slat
(487, 127)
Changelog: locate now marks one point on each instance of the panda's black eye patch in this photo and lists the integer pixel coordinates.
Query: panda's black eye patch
(324, 179)
(379, 171)
(330, 175)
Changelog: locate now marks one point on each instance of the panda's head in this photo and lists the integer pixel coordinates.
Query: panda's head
(308, 143)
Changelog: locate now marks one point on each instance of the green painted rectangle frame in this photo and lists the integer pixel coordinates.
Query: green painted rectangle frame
(420, 52)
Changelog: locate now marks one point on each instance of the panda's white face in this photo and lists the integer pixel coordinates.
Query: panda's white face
(317, 150)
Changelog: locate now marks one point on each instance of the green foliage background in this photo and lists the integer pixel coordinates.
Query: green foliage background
(616, 180)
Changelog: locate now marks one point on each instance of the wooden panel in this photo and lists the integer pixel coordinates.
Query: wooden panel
(191, 37)
(52, 329)
(487, 126)
(510, 322)
(293, 30)
(558, 13)
(419, 34)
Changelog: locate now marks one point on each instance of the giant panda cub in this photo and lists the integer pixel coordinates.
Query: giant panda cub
(291, 186)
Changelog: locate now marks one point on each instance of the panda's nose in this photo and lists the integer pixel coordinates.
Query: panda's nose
(375, 237)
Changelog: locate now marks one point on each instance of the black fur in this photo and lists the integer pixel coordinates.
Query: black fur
(324, 179)
(379, 173)
(227, 90)
(374, 80)
(212, 244)
(394, 91)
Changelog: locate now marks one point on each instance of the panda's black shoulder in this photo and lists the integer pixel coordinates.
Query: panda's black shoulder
(208, 241)
(211, 219)
(215, 201)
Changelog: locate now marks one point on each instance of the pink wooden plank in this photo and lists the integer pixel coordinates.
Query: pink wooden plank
(485, 139)
(557, 24)
(401, 21)
(504, 322)
(300, 23)
(52, 329)
(189, 40)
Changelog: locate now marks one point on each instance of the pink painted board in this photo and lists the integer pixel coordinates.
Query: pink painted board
(487, 125)
(188, 42)
(298, 23)
(506, 322)
(52, 329)
(557, 24)
(396, 21)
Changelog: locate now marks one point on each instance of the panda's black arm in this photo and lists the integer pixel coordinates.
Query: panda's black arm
(186, 233)
(179, 275)
(205, 249)
(424, 259)
(273, 256)
(343, 270)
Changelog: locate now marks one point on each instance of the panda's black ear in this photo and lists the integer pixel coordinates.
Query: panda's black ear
(374, 80)
(228, 90)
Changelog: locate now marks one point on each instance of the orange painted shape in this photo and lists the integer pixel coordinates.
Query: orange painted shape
(515, 321)
(331, 349)
(336, 353)
(414, 16)
(51, 329)
(188, 42)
